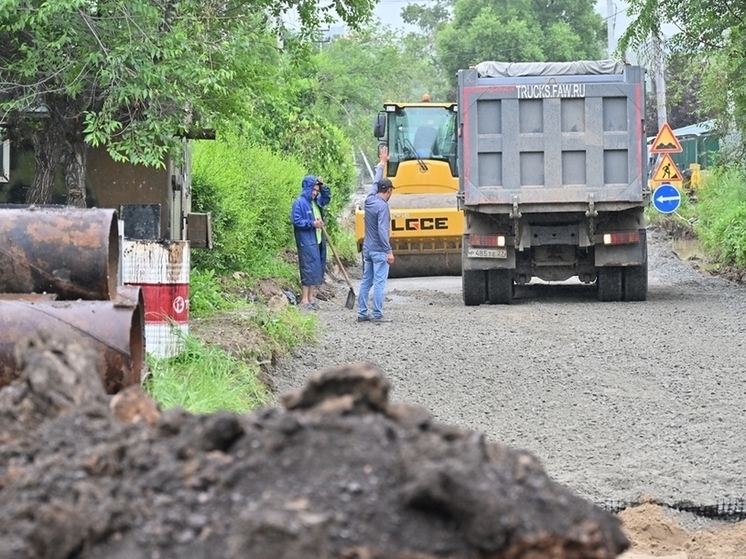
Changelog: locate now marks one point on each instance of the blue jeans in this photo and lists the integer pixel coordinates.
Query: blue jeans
(375, 274)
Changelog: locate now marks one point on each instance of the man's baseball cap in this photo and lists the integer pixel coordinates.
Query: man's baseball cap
(384, 185)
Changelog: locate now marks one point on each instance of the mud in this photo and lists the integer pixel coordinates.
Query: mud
(336, 471)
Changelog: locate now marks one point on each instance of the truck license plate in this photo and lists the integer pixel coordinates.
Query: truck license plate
(487, 253)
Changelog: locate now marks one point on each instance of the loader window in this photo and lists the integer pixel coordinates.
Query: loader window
(428, 133)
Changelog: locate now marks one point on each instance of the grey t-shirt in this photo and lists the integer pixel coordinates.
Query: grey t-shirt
(377, 219)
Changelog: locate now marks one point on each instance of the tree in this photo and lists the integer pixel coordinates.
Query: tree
(683, 87)
(429, 18)
(712, 33)
(358, 73)
(520, 31)
(133, 76)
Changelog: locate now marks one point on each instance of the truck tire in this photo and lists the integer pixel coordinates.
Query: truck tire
(609, 283)
(636, 282)
(500, 287)
(473, 287)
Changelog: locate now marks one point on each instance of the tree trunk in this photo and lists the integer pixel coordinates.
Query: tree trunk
(75, 174)
(48, 155)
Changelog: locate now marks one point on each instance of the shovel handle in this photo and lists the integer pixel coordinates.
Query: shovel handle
(339, 261)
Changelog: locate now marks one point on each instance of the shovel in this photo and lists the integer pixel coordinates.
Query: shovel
(350, 304)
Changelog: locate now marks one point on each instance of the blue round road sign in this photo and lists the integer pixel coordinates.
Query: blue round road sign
(666, 198)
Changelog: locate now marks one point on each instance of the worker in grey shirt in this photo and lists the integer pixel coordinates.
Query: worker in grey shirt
(377, 252)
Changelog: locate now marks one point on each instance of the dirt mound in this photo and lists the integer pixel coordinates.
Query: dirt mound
(339, 472)
(657, 531)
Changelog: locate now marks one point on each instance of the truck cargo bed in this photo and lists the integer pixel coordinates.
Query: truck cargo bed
(528, 141)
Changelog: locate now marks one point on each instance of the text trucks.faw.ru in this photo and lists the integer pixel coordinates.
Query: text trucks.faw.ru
(552, 177)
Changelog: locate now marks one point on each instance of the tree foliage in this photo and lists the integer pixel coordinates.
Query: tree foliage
(712, 33)
(429, 18)
(358, 73)
(133, 76)
(684, 102)
(520, 31)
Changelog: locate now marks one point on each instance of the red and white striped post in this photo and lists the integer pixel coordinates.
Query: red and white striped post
(161, 270)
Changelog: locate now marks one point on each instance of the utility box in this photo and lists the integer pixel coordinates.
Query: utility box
(141, 221)
(199, 230)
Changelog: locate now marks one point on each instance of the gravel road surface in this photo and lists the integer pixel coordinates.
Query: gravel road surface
(618, 400)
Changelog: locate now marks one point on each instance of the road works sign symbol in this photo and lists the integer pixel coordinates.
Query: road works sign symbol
(667, 170)
(665, 141)
(666, 198)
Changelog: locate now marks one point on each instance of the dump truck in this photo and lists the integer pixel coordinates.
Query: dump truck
(552, 177)
(426, 224)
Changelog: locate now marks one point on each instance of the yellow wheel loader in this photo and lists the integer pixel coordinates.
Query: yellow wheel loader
(426, 224)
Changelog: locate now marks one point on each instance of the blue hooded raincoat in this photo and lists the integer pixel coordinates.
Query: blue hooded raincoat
(311, 252)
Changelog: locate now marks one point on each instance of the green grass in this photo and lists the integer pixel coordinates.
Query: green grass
(205, 379)
(287, 329)
(206, 296)
(721, 217)
(282, 272)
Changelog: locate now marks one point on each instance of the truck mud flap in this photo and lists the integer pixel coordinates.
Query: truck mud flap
(500, 286)
(622, 255)
(474, 287)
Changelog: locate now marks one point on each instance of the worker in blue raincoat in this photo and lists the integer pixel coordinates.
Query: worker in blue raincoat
(307, 217)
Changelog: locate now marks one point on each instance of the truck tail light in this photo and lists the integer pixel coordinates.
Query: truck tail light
(621, 238)
(487, 240)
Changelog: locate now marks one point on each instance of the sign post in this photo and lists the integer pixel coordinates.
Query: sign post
(666, 141)
(666, 171)
(666, 198)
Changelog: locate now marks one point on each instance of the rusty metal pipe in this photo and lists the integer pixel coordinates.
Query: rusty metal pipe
(72, 252)
(114, 329)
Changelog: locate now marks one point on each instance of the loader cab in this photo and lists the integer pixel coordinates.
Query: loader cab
(426, 223)
(418, 132)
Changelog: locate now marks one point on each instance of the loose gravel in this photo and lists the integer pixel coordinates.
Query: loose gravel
(618, 400)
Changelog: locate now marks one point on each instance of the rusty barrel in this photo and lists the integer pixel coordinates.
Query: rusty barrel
(72, 252)
(114, 329)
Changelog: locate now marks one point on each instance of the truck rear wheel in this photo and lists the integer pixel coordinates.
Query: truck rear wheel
(500, 286)
(636, 282)
(473, 287)
(609, 283)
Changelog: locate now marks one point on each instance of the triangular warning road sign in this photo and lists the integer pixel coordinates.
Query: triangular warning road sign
(665, 141)
(667, 170)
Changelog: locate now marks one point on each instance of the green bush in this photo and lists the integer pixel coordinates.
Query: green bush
(721, 212)
(249, 192)
(328, 153)
(346, 245)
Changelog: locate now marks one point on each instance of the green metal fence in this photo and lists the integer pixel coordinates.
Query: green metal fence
(697, 149)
